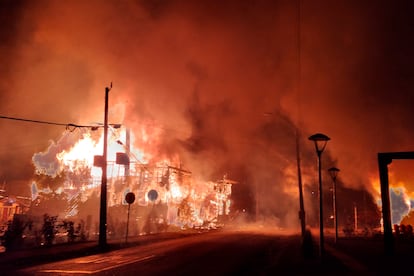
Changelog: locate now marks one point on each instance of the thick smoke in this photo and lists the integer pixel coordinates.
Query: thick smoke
(221, 78)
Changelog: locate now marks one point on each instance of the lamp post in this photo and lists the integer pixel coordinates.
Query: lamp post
(103, 203)
(334, 173)
(320, 140)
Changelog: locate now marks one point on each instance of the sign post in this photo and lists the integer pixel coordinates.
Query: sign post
(129, 198)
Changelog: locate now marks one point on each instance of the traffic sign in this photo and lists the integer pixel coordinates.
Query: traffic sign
(152, 195)
(130, 197)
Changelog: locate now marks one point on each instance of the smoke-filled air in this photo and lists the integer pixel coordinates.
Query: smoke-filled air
(206, 101)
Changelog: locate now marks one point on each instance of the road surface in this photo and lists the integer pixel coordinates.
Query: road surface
(216, 253)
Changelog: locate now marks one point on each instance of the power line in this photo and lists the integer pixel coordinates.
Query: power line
(69, 126)
(32, 121)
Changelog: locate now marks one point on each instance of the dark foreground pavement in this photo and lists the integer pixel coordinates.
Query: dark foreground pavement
(349, 256)
(26, 257)
(367, 255)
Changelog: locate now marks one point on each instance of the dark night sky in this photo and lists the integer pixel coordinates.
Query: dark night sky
(207, 71)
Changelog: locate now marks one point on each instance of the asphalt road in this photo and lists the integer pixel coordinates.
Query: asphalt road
(216, 253)
(226, 252)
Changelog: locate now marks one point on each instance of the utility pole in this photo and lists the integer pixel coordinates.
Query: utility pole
(128, 151)
(302, 215)
(103, 205)
(301, 204)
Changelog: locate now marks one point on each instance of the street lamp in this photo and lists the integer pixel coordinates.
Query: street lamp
(334, 173)
(320, 140)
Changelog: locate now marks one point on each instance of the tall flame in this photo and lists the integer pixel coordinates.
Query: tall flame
(175, 186)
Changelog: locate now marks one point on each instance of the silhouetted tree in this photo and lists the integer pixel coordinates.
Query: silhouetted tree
(48, 229)
(13, 237)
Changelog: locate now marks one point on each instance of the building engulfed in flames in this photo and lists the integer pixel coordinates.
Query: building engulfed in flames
(157, 184)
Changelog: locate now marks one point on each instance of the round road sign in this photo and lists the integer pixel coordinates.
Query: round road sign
(130, 198)
(152, 195)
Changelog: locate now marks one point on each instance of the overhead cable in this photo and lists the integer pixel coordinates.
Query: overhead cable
(69, 126)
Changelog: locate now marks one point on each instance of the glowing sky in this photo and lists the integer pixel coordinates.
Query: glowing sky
(207, 72)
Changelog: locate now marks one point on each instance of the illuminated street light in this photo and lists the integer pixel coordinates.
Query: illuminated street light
(320, 140)
(334, 173)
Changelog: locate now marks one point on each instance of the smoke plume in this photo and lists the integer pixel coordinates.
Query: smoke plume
(221, 78)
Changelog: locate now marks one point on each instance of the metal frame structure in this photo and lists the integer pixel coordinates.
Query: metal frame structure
(384, 159)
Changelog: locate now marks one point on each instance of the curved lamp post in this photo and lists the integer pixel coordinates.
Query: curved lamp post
(320, 140)
(334, 173)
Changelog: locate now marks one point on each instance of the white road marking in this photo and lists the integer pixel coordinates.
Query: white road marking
(118, 264)
(98, 260)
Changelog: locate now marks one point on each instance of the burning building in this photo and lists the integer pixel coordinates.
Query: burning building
(207, 70)
(166, 192)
